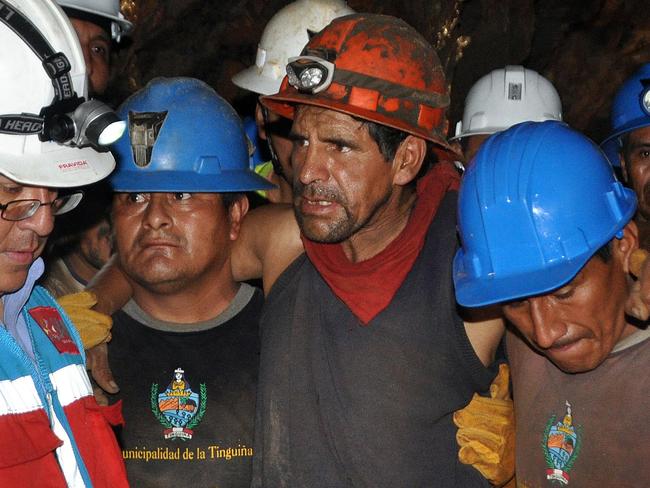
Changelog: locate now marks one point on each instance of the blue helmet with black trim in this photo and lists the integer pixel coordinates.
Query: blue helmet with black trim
(182, 137)
(630, 111)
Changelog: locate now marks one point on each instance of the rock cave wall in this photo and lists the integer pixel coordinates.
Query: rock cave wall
(585, 47)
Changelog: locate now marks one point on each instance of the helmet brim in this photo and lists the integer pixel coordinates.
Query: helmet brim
(483, 132)
(284, 104)
(175, 181)
(126, 26)
(493, 288)
(610, 146)
(250, 79)
(472, 292)
(64, 168)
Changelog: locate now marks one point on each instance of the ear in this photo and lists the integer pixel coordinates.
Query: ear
(259, 120)
(621, 158)
(408, 160)
(236, 213)
(626, 245)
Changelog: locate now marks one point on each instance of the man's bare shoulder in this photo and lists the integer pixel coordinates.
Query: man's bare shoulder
(485, 328)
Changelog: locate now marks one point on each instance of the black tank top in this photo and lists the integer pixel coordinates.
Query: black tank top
(340, 404)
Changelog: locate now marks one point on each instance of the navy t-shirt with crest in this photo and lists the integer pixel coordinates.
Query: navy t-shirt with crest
(188, 393)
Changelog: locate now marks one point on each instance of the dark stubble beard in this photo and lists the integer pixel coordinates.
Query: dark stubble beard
(339, 230)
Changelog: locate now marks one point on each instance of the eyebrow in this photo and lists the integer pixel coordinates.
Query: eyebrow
(339, 141)
(295, 136)
(103, 36)
(638, 145)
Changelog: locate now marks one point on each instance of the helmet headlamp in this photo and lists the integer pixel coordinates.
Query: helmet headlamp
(310, 74)
(645, 99)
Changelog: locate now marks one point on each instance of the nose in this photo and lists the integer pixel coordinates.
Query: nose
(156, 215)
(547, 328)
(311, 165)
(42, 222)
(85, 48)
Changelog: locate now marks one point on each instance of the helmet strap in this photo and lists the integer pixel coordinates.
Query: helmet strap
(103, 22)
(275, 161)
(56, 65)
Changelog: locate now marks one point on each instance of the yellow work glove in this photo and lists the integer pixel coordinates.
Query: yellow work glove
(94, 327)
(486, 432)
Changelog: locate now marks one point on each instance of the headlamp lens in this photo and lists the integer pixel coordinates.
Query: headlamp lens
(309, 73)
(645, 100)
(97, 124)
(112, 133)
(81, 123)
(312, 77)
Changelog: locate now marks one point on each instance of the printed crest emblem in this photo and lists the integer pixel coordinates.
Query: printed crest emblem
(178, 408)
(50, 321)
(561, 444)
(144, 128)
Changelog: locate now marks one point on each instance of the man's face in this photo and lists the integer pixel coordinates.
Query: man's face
(341, 179)
(577, 325)
(23, 241)
(169, 241)
(635, 162)
(96, 46)
(96, 244)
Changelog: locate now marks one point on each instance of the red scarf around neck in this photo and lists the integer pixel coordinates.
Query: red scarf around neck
(367, 287)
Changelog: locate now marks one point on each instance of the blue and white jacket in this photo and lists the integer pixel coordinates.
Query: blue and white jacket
(53, 433)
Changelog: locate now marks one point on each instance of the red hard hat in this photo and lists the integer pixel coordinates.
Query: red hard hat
(380, 69)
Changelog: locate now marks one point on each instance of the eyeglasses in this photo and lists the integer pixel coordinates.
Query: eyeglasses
(24, 209)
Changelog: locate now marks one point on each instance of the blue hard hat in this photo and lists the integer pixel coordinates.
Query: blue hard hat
(630, 111)
(182, 137)
(536, 205)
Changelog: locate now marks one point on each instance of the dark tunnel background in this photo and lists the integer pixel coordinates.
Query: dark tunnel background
(585, 47)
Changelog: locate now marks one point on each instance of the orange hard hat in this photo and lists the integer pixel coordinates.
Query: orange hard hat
(374, 67)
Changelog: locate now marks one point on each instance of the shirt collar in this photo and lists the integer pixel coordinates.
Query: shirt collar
(14, 302)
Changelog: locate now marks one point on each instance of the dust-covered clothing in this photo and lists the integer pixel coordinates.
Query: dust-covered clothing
(342, 404)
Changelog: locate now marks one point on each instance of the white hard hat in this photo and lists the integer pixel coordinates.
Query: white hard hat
(109, 9)
(505, 97)
(32, 35)
(284, 36)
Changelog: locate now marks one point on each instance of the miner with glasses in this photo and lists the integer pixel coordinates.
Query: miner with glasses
(53, 432)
